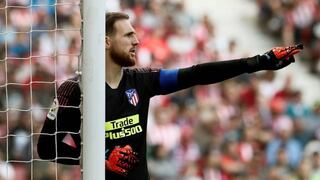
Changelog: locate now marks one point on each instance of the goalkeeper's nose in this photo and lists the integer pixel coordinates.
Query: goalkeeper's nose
(135, 40)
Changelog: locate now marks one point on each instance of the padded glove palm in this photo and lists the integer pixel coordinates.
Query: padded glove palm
(121, 160)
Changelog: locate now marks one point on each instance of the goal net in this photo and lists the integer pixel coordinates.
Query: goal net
(40, 48)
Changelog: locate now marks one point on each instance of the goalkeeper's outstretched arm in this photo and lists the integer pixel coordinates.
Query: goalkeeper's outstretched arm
(59, 140)
(213, 72)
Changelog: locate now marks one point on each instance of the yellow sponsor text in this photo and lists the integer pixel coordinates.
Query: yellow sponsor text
(122, 123)
(125, 132)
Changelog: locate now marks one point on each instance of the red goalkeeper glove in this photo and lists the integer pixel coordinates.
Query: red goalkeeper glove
(276, 58)
(121, 160)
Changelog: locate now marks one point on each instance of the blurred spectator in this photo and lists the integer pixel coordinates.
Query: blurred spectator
(231, 162)
(313, 146)
(292, 149)
(153, 16)
(299, 113)
(6, 170)
(208, 131)
(303, 171)
(211, 166)
(20, 47)
(315, 163)
(282, 165)
(313, 121)
(20, 142)
(161, 165)
(164, 131)
(187, 152)
(295, 108)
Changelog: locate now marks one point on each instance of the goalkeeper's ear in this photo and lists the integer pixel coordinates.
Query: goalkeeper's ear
(108, 42)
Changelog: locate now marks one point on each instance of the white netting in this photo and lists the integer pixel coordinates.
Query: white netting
(40, 47)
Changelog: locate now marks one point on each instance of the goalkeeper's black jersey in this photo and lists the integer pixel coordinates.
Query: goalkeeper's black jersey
(126, 115)
(126, 123)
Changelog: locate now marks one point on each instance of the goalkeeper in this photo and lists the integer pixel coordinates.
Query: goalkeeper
(128, 92)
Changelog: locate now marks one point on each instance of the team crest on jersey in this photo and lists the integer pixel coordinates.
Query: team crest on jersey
(132, 96)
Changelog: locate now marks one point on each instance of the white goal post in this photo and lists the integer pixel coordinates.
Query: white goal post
(93, 88)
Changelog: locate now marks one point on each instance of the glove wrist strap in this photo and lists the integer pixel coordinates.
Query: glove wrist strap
(254, 64)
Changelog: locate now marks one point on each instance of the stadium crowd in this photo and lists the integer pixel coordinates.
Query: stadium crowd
(294, 21)
(250, 127)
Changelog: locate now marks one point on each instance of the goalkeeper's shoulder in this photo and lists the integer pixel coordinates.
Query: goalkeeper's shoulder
(143, 70)
(70, 84)
(72, 81)
(69, 89)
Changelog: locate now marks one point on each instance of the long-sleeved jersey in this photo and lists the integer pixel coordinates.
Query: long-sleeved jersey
(126, 115)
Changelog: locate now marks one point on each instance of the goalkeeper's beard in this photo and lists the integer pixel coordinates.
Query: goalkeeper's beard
(122, 59)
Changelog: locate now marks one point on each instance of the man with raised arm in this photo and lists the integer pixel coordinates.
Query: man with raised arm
(128, 92)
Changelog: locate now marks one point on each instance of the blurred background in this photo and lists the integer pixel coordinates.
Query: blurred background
(259, 126)
(40, 45)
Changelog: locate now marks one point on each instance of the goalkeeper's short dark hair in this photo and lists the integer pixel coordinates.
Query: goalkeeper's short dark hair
(111, 19)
